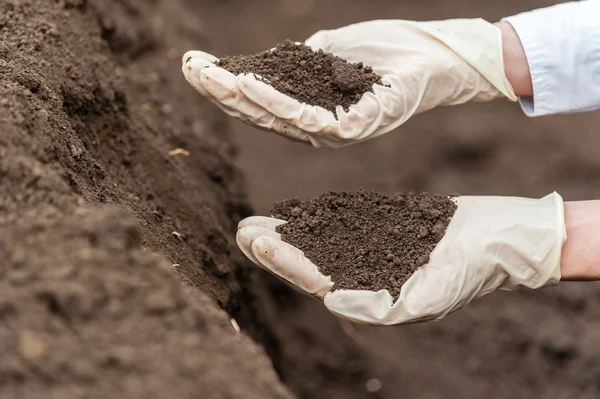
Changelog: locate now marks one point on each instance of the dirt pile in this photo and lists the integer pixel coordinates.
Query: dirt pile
(366, 240)
(91, 105)
(314, 78)
(87, 313)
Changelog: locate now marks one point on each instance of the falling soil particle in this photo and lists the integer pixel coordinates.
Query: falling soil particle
(314, 78)
(366, 240)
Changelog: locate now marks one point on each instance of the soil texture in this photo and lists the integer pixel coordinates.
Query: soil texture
(315, 78)
(101, 221)
(366, 240)
(93, 110)
(107, 319)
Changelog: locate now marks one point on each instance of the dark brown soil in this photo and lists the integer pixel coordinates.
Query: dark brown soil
(107, 319)
(92, 205)
(314, 78)
(91, 103)
(366, 240)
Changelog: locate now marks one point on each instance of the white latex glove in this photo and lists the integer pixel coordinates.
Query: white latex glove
(427, 64)
(490, 243)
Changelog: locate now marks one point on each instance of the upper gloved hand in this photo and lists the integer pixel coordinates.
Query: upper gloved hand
(490, 243)
(426, 65)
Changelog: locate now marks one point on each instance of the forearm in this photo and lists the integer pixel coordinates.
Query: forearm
(516, 66)
(580, 259)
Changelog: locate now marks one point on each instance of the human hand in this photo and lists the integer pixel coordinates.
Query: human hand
(426, 65)
(491, 243)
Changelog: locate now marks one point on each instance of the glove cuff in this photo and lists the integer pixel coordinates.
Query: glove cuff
(477, 42)
(536, 261)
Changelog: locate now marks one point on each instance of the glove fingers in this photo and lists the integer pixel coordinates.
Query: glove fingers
(269, 98)
(358, 123)
(245, 237)
(307, 118)
(191, 69)
(290, 131)
(261, 221)
(361, 306)
(192, 54)
(283, 129)
(191, 72)
(222, 85)
(290, 264)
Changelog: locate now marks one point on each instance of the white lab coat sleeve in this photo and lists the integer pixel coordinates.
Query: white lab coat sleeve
(562, 45)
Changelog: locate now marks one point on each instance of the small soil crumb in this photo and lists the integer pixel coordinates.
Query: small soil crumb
(366, 240)
(314, 78)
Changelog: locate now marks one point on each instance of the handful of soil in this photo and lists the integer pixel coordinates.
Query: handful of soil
(366, 240)
(314, 78)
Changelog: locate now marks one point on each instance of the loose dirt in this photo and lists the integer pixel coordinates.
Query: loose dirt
(106, 318)
(315, 78)
(366, 240)
(91, 104)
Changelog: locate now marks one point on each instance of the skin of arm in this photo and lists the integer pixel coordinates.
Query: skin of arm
(581, 252)
(515, 61)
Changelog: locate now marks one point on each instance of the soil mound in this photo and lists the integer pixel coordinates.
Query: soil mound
(314, 78)
(104, 318)
(366, 240)
(91, 108)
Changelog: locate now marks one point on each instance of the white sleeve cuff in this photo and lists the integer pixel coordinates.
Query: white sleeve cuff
(562, 45)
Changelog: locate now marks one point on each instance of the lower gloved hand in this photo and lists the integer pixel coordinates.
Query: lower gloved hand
(426, 65)
(491, 243)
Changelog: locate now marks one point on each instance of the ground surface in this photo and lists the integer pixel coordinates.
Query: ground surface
(526, 344)
(97, 219)
(94, 211)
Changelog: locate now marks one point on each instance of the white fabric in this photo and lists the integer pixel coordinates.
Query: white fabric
(427, 64)
(490, 243)
(562, 45)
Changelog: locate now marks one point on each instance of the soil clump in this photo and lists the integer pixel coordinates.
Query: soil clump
(311, 77)
(366, 240)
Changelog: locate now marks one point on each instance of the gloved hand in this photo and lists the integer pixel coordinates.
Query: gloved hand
(427, 64)
(490, 243)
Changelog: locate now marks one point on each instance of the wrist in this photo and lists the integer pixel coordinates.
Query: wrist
(581, 251)
(516, 66)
